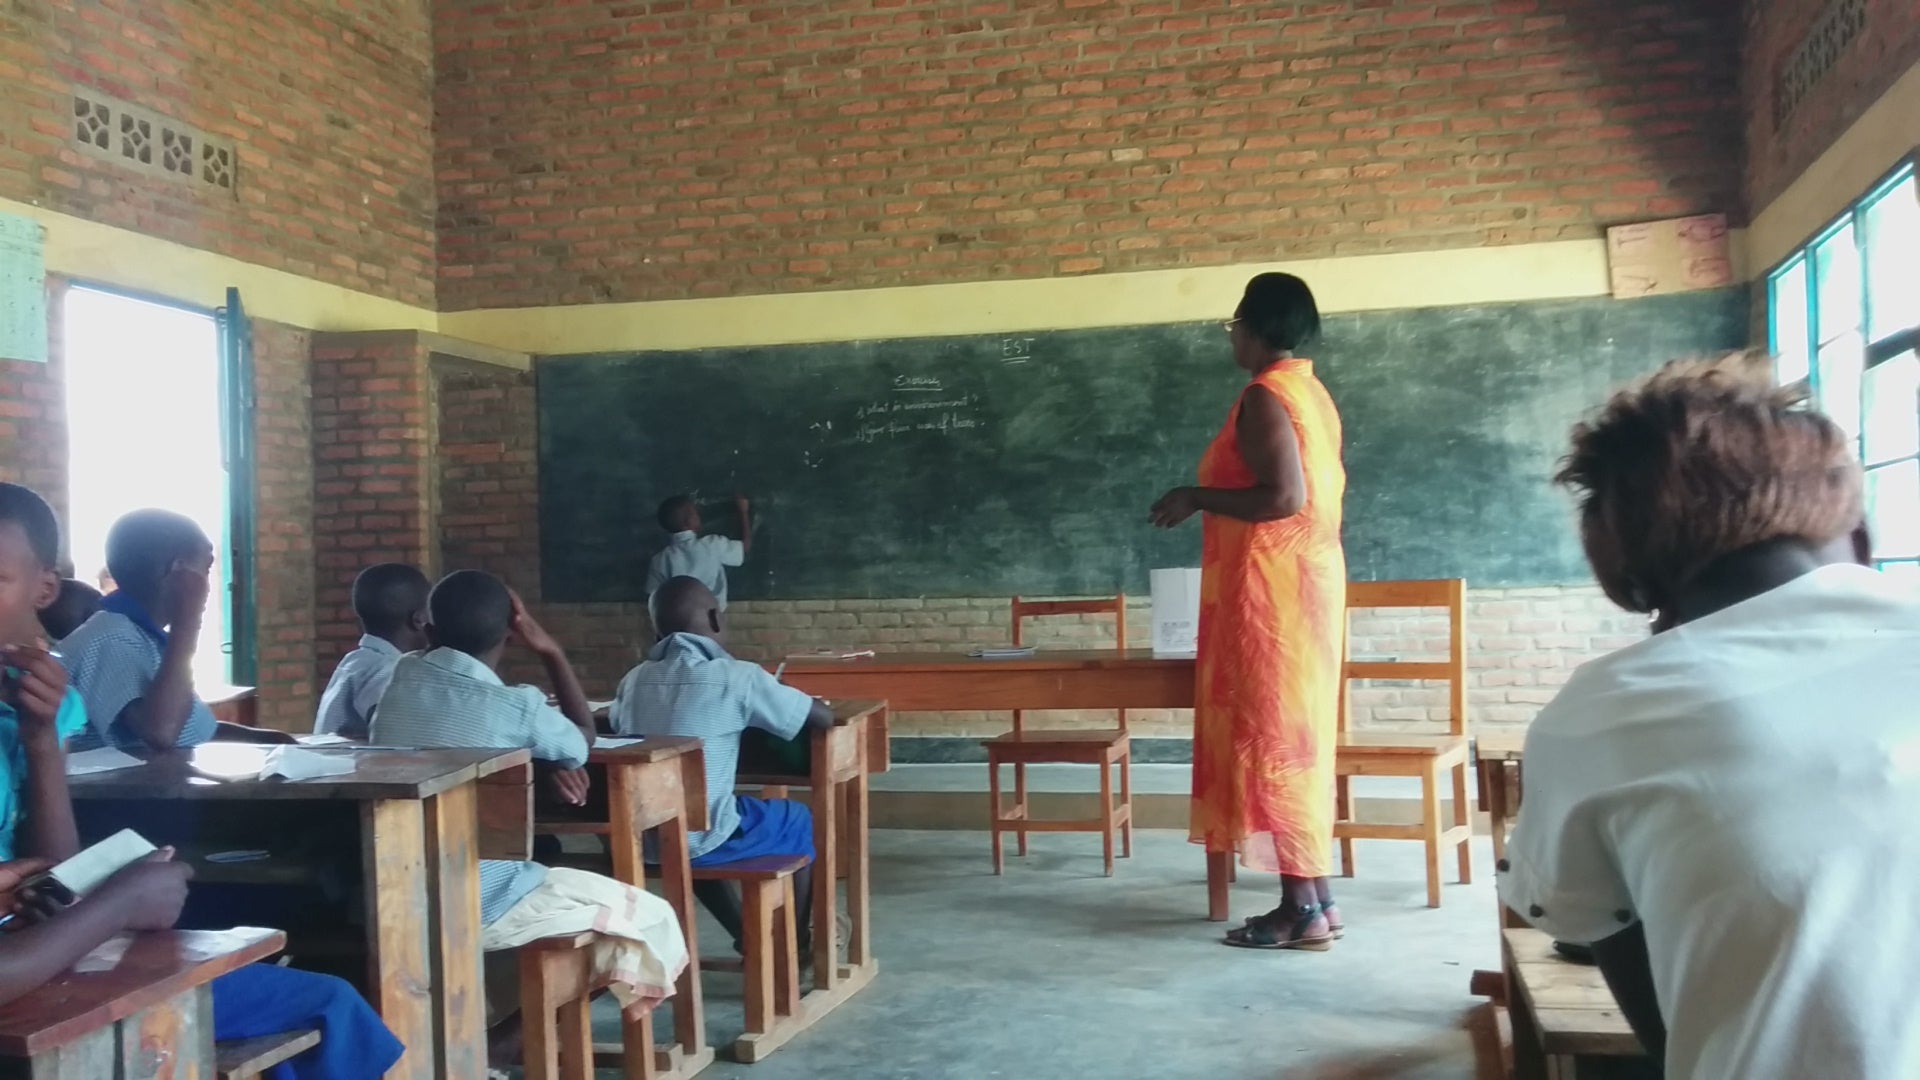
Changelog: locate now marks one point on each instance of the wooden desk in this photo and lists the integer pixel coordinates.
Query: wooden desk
(1564, 1015)
(139, 1006)
(837, 786)
(660, 785)
(1062, 679)
(416, 817)
(233, 704)
(1499, 755)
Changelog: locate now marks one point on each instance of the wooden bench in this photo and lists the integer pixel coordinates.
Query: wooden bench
(1566, 1024)
(769, 947)
(139, 1006)
(244, 1059)
(557, 985)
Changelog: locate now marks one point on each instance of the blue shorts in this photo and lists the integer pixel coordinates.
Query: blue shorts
(261, 999)
(767, 827)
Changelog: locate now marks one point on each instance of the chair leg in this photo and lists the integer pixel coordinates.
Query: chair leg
(638, 1060)
(993, 800)
(540, 1033)
(1463, 818)
(1021, 811)
(1343, 811)
(1219, 869)
(576, 1039)
(1126, 800)
(1430, 824)
(1494, 779)
(786, 953)
(759, 956)
(1233, 871)
(1106, 817)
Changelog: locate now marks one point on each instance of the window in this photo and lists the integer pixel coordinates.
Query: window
(1844, 319)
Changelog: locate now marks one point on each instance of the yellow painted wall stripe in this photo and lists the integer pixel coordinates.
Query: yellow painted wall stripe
(1888, 131)
(91, 251)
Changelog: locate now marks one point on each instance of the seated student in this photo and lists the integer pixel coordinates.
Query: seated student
(688, 554)
(390, 600)
(451, 696)
(37, 711)
(1726, 810)
(689, 685)
(133, 660)
(74, 604)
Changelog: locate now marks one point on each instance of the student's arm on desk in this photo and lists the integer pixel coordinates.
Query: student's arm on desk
(225, 732)
(819, 715)
(144, 896)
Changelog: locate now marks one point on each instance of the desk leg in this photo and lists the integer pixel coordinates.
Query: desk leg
(1219, 877)
(859, 885)
(676, 882)
(453, 869)
(826, 885)
(394, 850)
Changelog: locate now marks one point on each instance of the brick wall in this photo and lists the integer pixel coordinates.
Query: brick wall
(372, 494)
(283, 526)
(1777, 152)
(610, 151)
(329, 105)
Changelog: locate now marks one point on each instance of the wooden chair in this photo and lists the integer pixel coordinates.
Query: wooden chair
(769, 948)
(1429, 757)
(1566, 1023)
(1105, 748)
(557, 985)
(244, 1059)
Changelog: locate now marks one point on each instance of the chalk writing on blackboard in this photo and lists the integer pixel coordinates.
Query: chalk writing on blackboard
(1016, 350)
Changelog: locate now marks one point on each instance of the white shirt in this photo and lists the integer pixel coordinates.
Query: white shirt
(690, 685)
(1748, 787)
(689, 554)
(346, 707)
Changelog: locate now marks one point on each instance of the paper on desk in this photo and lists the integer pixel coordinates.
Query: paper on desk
(99, 760)
(325, 740)
(615, 744)
(295, 763)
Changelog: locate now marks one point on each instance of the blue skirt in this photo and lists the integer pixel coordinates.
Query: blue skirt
(767, 827)
(261, 999)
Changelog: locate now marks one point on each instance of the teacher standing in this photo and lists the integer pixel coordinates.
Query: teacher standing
(1272, 612)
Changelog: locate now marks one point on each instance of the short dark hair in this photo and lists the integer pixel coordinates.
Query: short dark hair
(386, 595)
(74, 604)
(143, 544)
(24, 507)
(670, 510)
(1279, 309)
(471, 611)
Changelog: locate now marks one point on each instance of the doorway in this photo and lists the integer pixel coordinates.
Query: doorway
(144, 420)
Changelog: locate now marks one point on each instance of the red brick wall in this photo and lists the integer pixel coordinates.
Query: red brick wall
(614, 151)
(1884, 50)
(283, 526)
(330, 106)
(372, 496)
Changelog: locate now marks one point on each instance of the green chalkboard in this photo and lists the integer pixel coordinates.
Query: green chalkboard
(992, 465)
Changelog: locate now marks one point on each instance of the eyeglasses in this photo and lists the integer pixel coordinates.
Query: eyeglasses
(1229, 325)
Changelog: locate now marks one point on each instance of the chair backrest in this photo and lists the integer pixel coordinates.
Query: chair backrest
(1115, 606)
(1447, 593)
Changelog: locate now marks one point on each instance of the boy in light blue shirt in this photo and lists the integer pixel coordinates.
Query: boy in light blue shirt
(688, 554)
(690, 685)
(390, 599)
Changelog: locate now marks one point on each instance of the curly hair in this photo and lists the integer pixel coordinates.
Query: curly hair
(1699, 460)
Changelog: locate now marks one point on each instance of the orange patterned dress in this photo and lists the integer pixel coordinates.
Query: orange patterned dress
(1272, 602)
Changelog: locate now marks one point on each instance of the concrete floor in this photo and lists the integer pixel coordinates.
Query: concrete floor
(1055, 972)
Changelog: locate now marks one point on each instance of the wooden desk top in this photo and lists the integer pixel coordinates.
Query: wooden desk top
(220, 695)
(851, 709)
(377, 774)
(123, 976)
(653, 748)
(1572, 1006)
(1041, 660)
(1500, 745)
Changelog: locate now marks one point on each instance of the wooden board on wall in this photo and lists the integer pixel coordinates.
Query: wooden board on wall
(990, 465)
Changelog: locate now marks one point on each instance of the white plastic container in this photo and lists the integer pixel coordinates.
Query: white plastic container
(1176, 612)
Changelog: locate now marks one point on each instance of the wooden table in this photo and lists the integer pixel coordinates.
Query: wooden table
(1564, 1017)
(837, 787)
(417, 827)
(139, 1006)
(1499, 755)
(1050, 679)
(233, 704)
(660, 785)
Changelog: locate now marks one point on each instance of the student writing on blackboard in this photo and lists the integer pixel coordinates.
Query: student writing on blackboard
(1274, 586)
(688, 554)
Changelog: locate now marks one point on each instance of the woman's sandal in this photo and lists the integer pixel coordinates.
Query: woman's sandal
(1262, 931)
(1336, 926)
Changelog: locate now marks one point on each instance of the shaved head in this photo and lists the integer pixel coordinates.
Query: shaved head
(686, 606)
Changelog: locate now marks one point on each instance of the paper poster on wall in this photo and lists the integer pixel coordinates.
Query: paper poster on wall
(1679, 255)
(23, 291)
